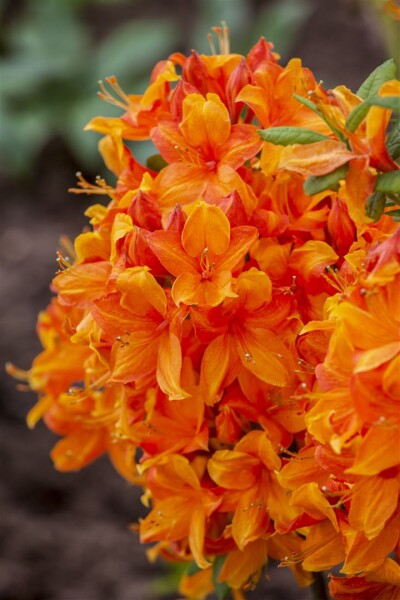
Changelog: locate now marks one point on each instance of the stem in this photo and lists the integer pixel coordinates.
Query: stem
(318, 587)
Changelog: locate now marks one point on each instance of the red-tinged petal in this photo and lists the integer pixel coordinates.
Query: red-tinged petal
(318, 158)
(243, 143)
(167, 246)
(259, 352)
(169, 367)
(197, 529)
(218, 368)
(225, 181)
(373, 501)
(141, 293)
(242, 238)
(378, 451)
(78, 449)
(206, 228)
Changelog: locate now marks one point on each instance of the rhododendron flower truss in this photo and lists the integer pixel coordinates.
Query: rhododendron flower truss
(227, 328)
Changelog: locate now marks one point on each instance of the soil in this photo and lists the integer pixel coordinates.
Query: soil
(66, 536)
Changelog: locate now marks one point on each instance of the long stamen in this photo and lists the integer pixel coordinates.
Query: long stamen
(121, 100)
(84, 187)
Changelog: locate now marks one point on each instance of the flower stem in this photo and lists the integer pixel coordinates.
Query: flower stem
(318, 587)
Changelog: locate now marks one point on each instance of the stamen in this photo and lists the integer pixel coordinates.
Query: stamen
(121, 100)
(84, 187)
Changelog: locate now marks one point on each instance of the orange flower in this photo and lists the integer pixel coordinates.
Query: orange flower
(181, 506)
(203, 257)
(205, 152)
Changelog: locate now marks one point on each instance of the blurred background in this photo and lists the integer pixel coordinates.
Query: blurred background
(66, 537)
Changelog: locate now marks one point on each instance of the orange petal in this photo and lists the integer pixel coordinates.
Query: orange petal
(167, 246)
(318, 158)
(140, 292)
(206, 228)
(169, 367)
(373, 501)
(378, 451)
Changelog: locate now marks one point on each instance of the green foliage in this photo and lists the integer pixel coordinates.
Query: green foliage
(356, 116)
(316, 184)
(284, 136)
(51, 64)
(388, 183)
(393, 141)
(385, 72)
(359, 113)
(221, 589)
(49, 73)
(375, 206)
(312, 106)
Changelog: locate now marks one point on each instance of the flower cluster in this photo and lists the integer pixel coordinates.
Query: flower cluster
(228, 329)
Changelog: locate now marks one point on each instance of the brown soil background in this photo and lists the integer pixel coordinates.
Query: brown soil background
(65, 536)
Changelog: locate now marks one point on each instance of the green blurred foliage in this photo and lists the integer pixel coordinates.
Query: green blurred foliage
(50, 66)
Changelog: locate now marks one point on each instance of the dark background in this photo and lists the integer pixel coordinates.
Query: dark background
(66, 536)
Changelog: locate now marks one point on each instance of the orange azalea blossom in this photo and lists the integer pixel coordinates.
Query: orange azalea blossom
(205, 149)
(246, 340)
(231, 340)
(203, 257)
(181, 506)
(247, 472)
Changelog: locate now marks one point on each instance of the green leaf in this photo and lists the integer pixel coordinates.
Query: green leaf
(284, 136)
(312, 106)
(375, 206)
(359, 113)
(356, 116)
(315, 184)
(221, 589)
(192, 569)
(156, 162)
(388, 183)
(372, 84)
(394, 213)
(391, 102)
(393, 141)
